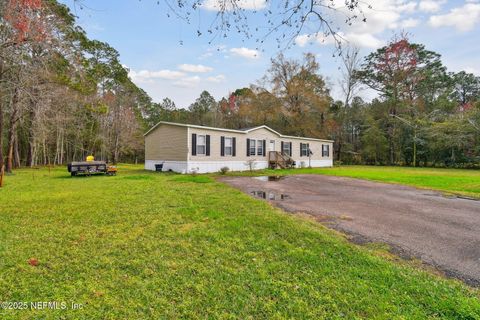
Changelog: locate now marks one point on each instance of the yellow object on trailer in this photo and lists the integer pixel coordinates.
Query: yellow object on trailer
(90, 166)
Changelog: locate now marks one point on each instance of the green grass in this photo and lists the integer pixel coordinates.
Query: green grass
(453, 181)
(147, 245)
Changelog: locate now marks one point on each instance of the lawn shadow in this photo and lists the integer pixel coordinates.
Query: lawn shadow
(80, 176)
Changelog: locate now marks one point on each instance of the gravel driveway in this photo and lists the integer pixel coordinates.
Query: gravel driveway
(441, 231)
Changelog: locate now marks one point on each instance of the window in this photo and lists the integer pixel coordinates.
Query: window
(325, 150)
(286, 148)
(260, 147)
(304, 149)
(201, 144)
(228, 146)
(252, 147)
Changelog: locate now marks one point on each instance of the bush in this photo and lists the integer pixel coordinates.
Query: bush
(224, 170)
(251, 164)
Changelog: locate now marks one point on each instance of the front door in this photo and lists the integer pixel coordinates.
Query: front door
(272, 145)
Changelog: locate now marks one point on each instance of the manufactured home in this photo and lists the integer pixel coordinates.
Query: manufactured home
(187, 148)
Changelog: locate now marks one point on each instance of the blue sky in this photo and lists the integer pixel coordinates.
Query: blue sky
(167, 59)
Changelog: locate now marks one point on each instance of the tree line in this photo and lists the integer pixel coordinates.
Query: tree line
(423, 114)
(64, 96)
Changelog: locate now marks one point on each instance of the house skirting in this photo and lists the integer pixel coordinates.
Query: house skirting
(215, 166)
(314, 163)
(177, 166)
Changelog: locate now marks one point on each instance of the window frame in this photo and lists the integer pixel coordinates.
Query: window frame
(304, 147)
(325, 150)
(253, 146)
(286, 146)
(260, 147)
(226, 154)
(204, 145)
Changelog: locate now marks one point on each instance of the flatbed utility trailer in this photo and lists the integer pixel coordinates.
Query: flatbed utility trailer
(90, 167)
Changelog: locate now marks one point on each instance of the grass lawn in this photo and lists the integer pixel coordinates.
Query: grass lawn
(454, 181)
(149, 245)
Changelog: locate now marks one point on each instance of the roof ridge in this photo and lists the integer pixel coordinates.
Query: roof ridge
(245, 131)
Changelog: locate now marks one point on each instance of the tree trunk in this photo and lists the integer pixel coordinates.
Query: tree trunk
(46, 159)
(11, 131)
(61, 148)
(1, 135)
(115, 151)
(339, 149)
(391, 145)
(31, 142)
(415, 148)
(11, 138)
(55, 158)
(1, 117)
(16, 154)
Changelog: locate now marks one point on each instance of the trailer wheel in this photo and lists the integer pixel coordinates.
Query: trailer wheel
(73, 174)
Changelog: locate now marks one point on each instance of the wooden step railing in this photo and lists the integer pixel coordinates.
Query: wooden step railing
(278, 159)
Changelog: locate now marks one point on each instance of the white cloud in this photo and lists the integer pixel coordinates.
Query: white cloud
(462, 18)
(303, 39)
(361, 40)
(409, 23)
(217, 5)
(408, 7)
(431, 5)
(213, 50)
(216, 79)
(365, 40)
(146, 75)
(187, 82)
(380, 17)
(245, 53)
(194, 68)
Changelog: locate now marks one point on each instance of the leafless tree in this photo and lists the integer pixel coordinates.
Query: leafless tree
(349, 82)
(282, 20)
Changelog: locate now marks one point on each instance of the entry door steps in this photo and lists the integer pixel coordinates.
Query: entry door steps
(280, 160)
